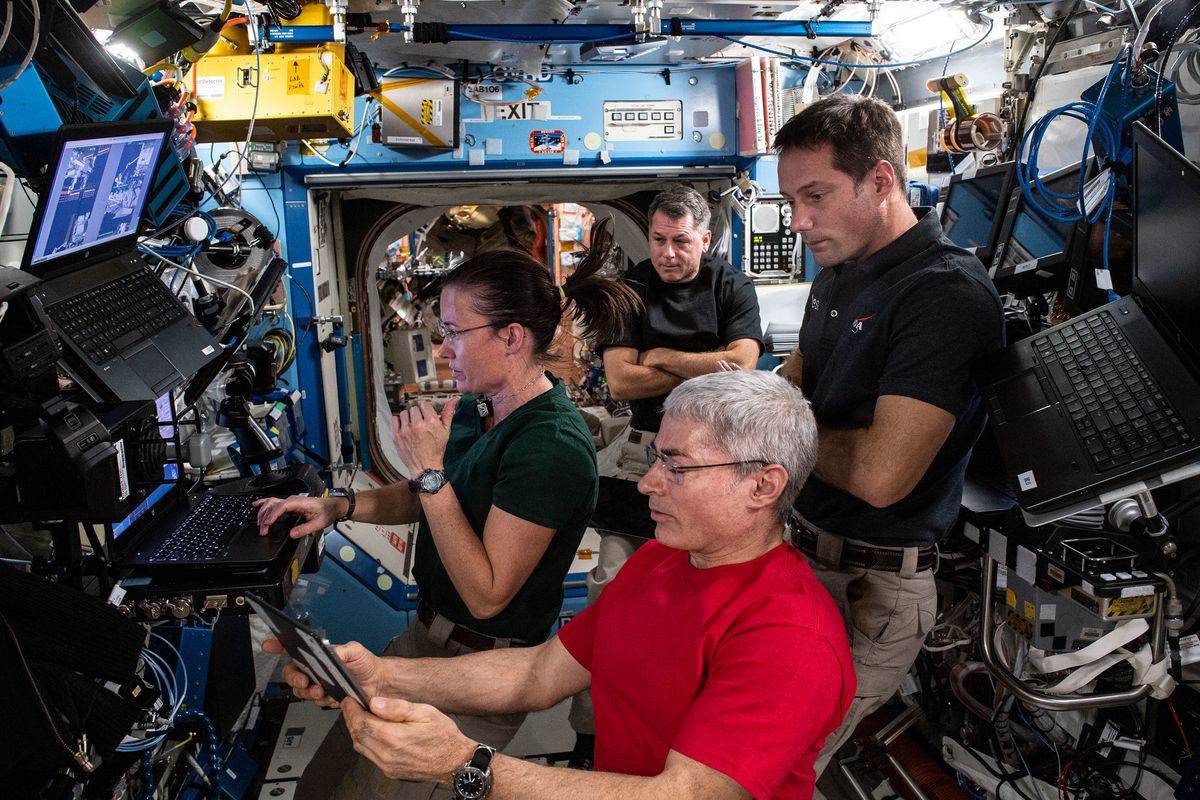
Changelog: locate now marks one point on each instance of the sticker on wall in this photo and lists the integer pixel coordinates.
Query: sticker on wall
(547, 142)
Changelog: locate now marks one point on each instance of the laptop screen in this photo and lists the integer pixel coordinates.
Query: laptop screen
(1166, 270)
(164, 409)
(96, 190)
(973, 208)
(1030, 241)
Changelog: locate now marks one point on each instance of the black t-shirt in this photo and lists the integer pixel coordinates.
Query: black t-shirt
(717, 307)
(910, 320)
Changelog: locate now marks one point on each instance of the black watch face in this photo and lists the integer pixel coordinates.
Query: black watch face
(471, 783)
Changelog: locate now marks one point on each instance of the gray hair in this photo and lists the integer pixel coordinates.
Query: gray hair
(678, 201)
(752, 415)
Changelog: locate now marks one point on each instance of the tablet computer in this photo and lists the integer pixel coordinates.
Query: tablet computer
(312, 654)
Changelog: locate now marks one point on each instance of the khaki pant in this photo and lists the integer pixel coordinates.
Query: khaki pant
(625, 458)
(887, 616)
(336, 772)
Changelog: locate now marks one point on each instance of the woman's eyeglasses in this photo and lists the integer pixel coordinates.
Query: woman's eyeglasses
(450, 334)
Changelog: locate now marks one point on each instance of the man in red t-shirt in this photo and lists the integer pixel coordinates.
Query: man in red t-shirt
(718, 664)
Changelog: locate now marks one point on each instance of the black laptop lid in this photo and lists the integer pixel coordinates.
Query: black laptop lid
(1166, 237)
(975, 206)
(97, 185)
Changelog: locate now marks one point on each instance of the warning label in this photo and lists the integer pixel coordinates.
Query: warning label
(1124, 607)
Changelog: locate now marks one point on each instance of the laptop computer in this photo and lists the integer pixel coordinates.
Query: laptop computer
(1033, 253)
(974, 208)
(125, 336)
(172, 529)
(1108, 404)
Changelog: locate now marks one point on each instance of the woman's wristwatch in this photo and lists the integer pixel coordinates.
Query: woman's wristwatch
(347, 493)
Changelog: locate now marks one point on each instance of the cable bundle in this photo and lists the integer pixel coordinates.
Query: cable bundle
(1104, 137)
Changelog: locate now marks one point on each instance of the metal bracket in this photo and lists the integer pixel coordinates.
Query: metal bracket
(1051, 702)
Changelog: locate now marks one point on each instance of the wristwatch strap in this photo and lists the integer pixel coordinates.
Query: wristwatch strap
(347, 493)
(483, 757)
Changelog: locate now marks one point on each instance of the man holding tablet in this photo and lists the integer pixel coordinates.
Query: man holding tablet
(718, 663)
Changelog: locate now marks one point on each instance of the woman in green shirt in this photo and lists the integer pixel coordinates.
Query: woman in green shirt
(504, 482)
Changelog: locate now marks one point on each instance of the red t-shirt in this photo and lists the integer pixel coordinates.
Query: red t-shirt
(744, 668)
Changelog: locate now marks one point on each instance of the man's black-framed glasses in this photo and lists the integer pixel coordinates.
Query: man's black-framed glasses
(677, 472)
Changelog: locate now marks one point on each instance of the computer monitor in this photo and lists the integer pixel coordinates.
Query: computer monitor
(94, 200)
(1166, 203)
(974, 208)
(1033, 252)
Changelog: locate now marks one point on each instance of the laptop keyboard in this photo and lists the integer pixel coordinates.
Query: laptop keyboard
(1118, 410)
(110, 317)
(206, 531)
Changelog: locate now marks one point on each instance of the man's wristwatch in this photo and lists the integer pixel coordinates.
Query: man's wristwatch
(473, 780)
(428, 482)
(349, 495)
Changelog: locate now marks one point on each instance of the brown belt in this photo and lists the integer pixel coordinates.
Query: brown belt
(864, 556)
(466, 636)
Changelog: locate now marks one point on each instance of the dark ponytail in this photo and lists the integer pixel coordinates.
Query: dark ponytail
(509, 286)
(602, 305)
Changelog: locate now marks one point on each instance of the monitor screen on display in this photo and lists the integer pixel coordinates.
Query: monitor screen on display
(97, 191)
(1033, 250)
(974, 209)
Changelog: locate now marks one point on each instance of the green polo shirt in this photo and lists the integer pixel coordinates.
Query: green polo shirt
(538, 464)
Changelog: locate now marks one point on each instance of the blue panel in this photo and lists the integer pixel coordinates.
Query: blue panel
(766, 174)
(300, 33)
(28, 123)
(195, 648)
(298, 251)
(599, 32)
(347, 602)
(346, 598)
(576, 109)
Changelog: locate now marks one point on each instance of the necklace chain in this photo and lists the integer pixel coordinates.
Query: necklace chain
(505, 395)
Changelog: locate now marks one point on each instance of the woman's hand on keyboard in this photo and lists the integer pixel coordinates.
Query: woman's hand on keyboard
(315, 513)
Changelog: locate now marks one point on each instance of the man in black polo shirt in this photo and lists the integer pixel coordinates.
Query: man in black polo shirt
(700, 316)
(896, 318)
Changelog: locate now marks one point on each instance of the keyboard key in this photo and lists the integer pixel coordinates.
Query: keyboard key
(1061, 381)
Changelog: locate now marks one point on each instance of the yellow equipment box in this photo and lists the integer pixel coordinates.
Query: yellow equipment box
(306, 93)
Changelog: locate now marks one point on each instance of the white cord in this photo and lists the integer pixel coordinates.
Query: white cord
(10, 178)
(8, 22)
(353, 151)
(33, 45)
(252, 38)
(209, 278)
